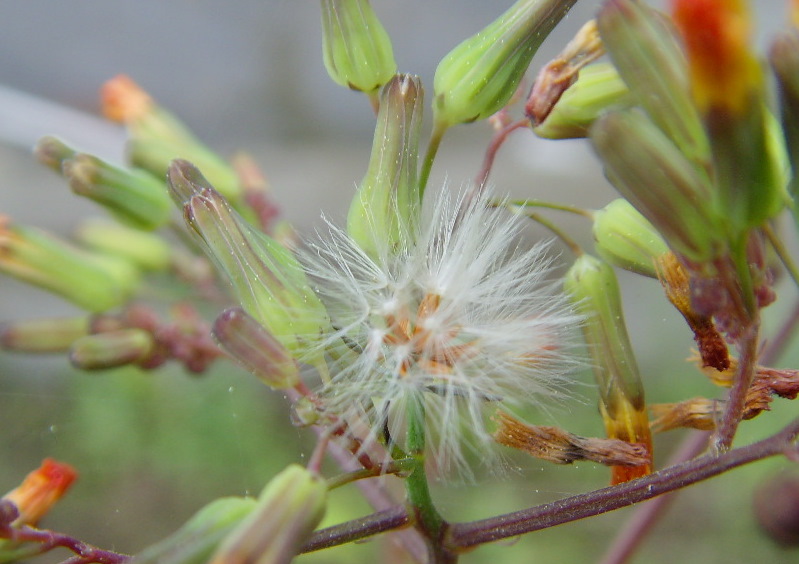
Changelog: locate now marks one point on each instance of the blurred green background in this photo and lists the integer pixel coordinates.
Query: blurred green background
(152, 448)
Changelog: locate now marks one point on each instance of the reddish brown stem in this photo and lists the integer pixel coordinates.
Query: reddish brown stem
(462, 536)
(491, 152)
(49, 540)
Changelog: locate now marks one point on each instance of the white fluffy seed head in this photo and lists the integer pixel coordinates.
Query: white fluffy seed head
(460, 317)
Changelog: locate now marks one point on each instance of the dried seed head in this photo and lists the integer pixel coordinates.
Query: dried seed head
(457, 315)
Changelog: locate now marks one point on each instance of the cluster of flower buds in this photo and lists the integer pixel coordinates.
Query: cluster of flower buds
(681, 123)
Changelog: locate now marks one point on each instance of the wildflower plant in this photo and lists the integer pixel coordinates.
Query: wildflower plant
(417, 338)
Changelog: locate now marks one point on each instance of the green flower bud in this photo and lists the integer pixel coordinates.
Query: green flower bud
(592, 286)
(157, 137)
(643, 47)
(291, 505)
(355, 46)
(750, 167)
(52, 152)
(43, 335)
(146, 250)
(597, 90)
(266, 277)
(198, 538)
(134, 197)
(660, 182)
(254, 347)
(111, 350)
(729, 89)
(478, 77)
(626, 239)
(92, 281)
(385, 210)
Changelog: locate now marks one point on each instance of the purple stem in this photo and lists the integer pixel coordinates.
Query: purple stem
(462, 536)
(85, 553)
(465, 535)
(647, 514)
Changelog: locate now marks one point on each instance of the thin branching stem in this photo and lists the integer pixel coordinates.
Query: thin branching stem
(533, 203)
(430, 155)
(493, 147)
(782, 252)
(50, 540)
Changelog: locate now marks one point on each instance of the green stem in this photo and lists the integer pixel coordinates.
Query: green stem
(559, 233)
(428, 520)
(432, 148)
(552, 206)
(394, 467)
(782, 252)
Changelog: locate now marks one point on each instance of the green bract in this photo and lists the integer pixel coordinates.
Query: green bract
(356, 48)
(597, 90)
(93, 281)
(385, 209)
(478, 77)
(648, 57)
(255, 348)
(266, 277)
(197, 540)
(626, 239)
(660, 182)
(289, 508)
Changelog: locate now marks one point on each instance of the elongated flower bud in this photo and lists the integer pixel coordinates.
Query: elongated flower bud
(157, 137)
(112, 349)
(647, 55)
(146, 250)
(626, 239)
(355, 46)
(43, 335)
(592, 286)
(199, 537)
(385, 210)
(92, 281)
(134, 197)
(728, 88)
(478, 77)
(660, 182)
(40, 490)
(598, 89)
(288, 510)
(266, 277)
(52, 152)
(252, 346)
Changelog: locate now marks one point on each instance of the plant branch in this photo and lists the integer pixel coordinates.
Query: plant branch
(647, 514)
(386, 520)
(461, 536)
(464, 535)
(736, 400)
(644, 518)
(49, 540)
